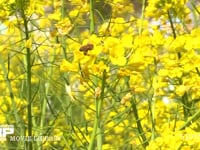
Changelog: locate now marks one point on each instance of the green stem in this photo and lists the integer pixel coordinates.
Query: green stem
(14, 106)
(197, 70)
(152, 106)
(195, 7)
(176, 118)
(43, 112)
(29, 75)
(171, 24)
(184, 100)
(190, 119)
(63, 9)
(90, 147)
(92, 22)
(43, 115)
(97, 132)
(63, 37)
(173, 29)
(142, 16)
(138, 122)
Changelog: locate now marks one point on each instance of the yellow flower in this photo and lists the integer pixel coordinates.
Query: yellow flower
(127, 41)
(124, 72)
(177, 45)
(163, 72)
(64, 26)
(139, 89)
(121, 61)
(158, 38)
(55, 16)
(116, 51)
(136, 82)
(45, 23)
(73, 13)
(119, 128)
(106, 146)
(125, 98)
(142, 40)
(98, 69)
(90, 112)
(117, 27)
(68, 66)
(175, 72)
(110, 124)
(181, 89)
(136, 62)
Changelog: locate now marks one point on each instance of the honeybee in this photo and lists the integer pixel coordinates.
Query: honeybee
(86, 48)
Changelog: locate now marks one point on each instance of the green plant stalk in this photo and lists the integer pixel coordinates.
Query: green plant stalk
(63, 37)
(195, 16)
(184, 100)
(190, 119)
(173, 29)
(139, 125)
(100, 15)
(142, 16)
(29, 94)
(92, 22)
(14, 106)
(97, 122)
(176, 118)
(43, 112)
(152, 103)
(91, 145)
(29, 75)
(184, 26)
(98, 119)
(197, 70)
(64, 48)
(43, 115)
(171, 24)
(63, 10)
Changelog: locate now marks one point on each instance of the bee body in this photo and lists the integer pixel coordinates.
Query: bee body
(86, 48)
